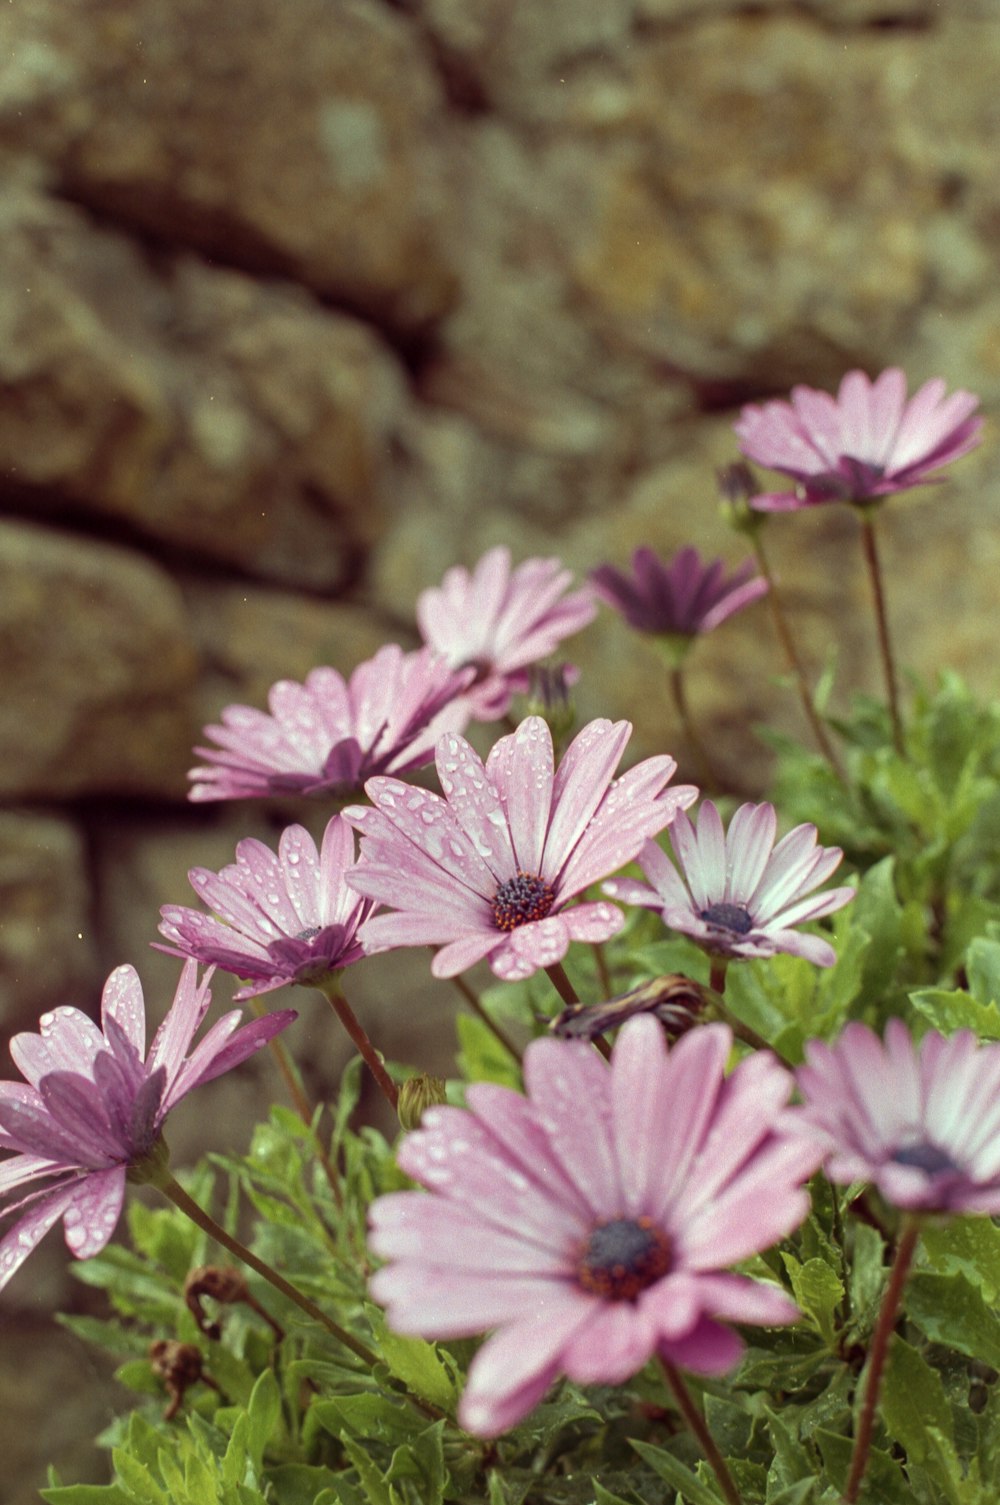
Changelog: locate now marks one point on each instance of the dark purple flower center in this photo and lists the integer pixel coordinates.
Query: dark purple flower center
(925, 1157)
(734, 917)
(520, 900)
(622, 1257)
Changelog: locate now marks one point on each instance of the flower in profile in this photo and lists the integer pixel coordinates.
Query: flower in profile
(592, 1223)
(276, 919)
(864, 444)
(328, 734)
(920, 1122)
(499, 621)
(682, 598)
(91, 1108)
(737, 894)
(489, 870)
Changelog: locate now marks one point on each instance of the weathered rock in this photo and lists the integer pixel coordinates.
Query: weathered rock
(300, 140)
(220, 415)
(248, 638)
(48, 943)
(98, 669)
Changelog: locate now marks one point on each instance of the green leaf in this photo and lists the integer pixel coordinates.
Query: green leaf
(949, 1010)
(818, 1291)
(137, 1479)
(481, 1057)
(867, 1273)
(983, 968)
(604, 1496)
(263, 1416)
(421, 1367)
(377, 1492)
(968, 1246)
(912, 1400)
(950, 1310)
(675, 1473)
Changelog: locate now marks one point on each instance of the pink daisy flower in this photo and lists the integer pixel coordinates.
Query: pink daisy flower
(864, 444)
(279, 919)
(500, 621)
(683, 598)
(592, 1223)
(329, 735)
(91, 1108)
(920, 1122)
(489, 870)
(734, 895)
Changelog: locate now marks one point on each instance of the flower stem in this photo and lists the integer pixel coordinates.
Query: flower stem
(877, 1355)
(333, 993)
(174, 1192)
(717, 975)
(603, 970)
(293, 1083)
(696, 1425)
(474, 1004)
(882, 622)
(787, 640)
(706, 773)
(562, 984)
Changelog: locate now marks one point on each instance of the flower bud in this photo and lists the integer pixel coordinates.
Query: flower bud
(417, 1095)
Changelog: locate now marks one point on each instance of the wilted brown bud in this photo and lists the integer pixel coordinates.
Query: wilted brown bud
(737, 484)
(179, 1366)
(417, 1095)
(677, 1001)
(227, 1285)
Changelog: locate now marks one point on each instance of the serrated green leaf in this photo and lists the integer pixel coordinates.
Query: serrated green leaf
(948, 1010)
(970, 1246)
(950, 1310)
(382, 1417)
(867, 1272)
(137, 1480)
(376, 1490)
(675, 1473)
(422, 1368)
(912, 1400)
(818, 1290)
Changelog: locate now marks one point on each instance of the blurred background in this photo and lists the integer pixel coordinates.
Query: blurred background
(302, 301)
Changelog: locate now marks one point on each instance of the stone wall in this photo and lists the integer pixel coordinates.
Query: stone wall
(303, 300)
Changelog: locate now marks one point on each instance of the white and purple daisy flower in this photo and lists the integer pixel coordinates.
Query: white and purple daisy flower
(500, 621)
(737, 894)
(592, 1223)
(276, 918)
(91, 1107)
(919, 1122)
(489, 870)
(683, 597)
(328, 735)
(860, 446)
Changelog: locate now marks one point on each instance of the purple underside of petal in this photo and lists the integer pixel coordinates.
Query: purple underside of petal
(227, 1046)
(514, 1368)
(28, 1232)
(710, 1348)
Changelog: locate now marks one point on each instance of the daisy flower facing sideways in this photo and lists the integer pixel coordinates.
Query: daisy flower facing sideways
(860, 446)
(681, 598)
(489, 870)
(500, 621)
(920, 1122)
(279, 919)
(592, 1223)
(91, 1108)
(739, 895)
(330, 734)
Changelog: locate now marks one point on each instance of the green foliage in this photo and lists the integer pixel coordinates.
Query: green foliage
(284, 1414)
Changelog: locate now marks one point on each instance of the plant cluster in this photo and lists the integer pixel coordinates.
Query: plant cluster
(718, 1171)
